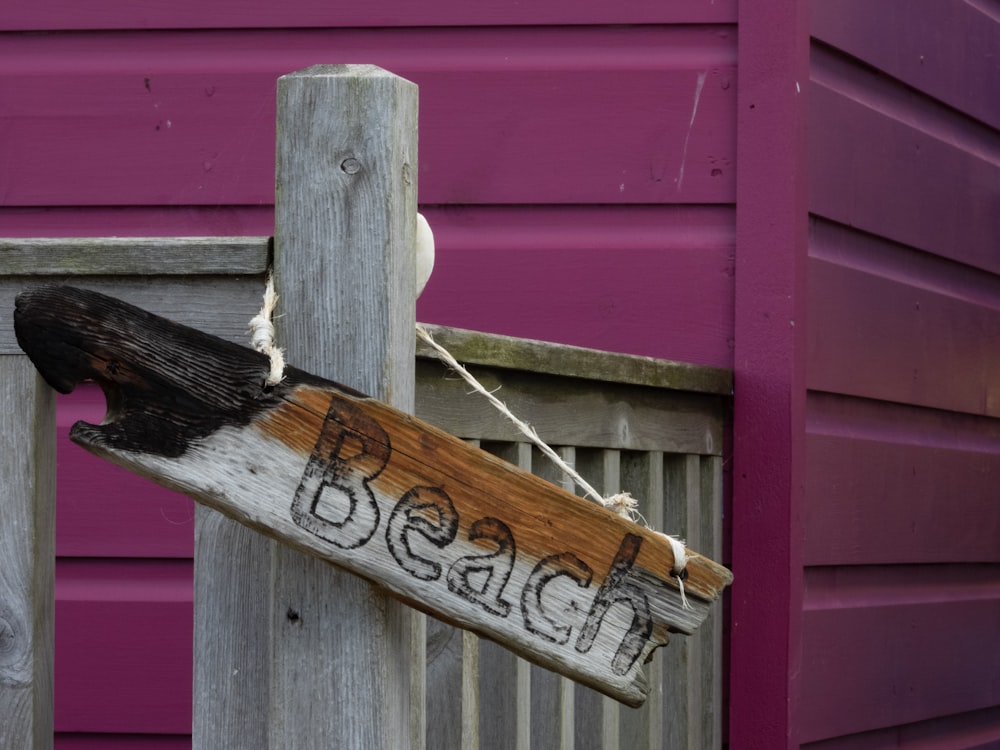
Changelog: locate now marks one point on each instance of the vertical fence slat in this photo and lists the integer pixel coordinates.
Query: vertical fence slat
(451, 656)
(418, 681)
(500, 699)
(470, 683)
(470, 691)
(548, 689)
(674, 703)
(611, 483)
(523, 458)
(642, 475)
(27, 555)
(444, 678)
(232, 607)
(567, 688)
(710, 634)
(345, 223)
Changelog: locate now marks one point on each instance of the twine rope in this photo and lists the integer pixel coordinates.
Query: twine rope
(262, 334)
(621, 503)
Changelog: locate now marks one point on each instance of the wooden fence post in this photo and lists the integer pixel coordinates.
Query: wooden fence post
(290, 652)
(345, 224)
(27, 555)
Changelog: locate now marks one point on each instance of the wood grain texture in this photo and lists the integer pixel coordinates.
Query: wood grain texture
(258, 13)
(27, 556)
(569, 411)
(135, 256)
(232, 606)
(222, 305)
(489, 98)
(345, 222)
(542, 357)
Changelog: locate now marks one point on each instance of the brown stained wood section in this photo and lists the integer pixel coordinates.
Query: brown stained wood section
(544, 517)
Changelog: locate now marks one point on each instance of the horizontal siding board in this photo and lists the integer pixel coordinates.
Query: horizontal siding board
(886, 339)
(591, 115)
(122, 14)
(975, 730)
(920, 48)
(875, 502)
(105, 511)
(103, 741)
(651, 282)
(885, 176)
(136, 221)
(871, 667)
(123, 646)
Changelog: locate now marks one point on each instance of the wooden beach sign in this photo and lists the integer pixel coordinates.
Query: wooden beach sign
(441, 525)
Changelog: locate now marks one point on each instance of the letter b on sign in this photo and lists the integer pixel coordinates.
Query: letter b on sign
(333, 500)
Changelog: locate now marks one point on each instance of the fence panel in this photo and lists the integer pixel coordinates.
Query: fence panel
(658, 435)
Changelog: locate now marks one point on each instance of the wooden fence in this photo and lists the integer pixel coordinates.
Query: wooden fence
(365, 671)
(650, 427)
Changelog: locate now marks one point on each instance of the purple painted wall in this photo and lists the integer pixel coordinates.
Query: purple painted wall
(901, 595)
(579, 167)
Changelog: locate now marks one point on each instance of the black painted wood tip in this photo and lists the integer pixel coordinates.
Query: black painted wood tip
(166, 384)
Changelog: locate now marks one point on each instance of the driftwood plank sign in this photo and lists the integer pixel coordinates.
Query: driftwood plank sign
(442, 525)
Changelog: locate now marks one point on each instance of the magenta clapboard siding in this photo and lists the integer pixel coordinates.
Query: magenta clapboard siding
(123, 645)
(197, 110)
(577, 164)
(901, 587)
(164, 14)
(105, 511)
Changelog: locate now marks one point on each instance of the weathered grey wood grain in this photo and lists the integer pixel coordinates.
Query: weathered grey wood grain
(345, 223)
(523, 457)
(27, 555)
(418, 680)
(475, 347)
(470, 690)
(220, 305)
(611, 483)
(505, 714)
(451, 683)
(444, 674)
(134, 256)
(553, 701)
(571, 411)
(710, 536)
(230, 659)
(643, 728)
